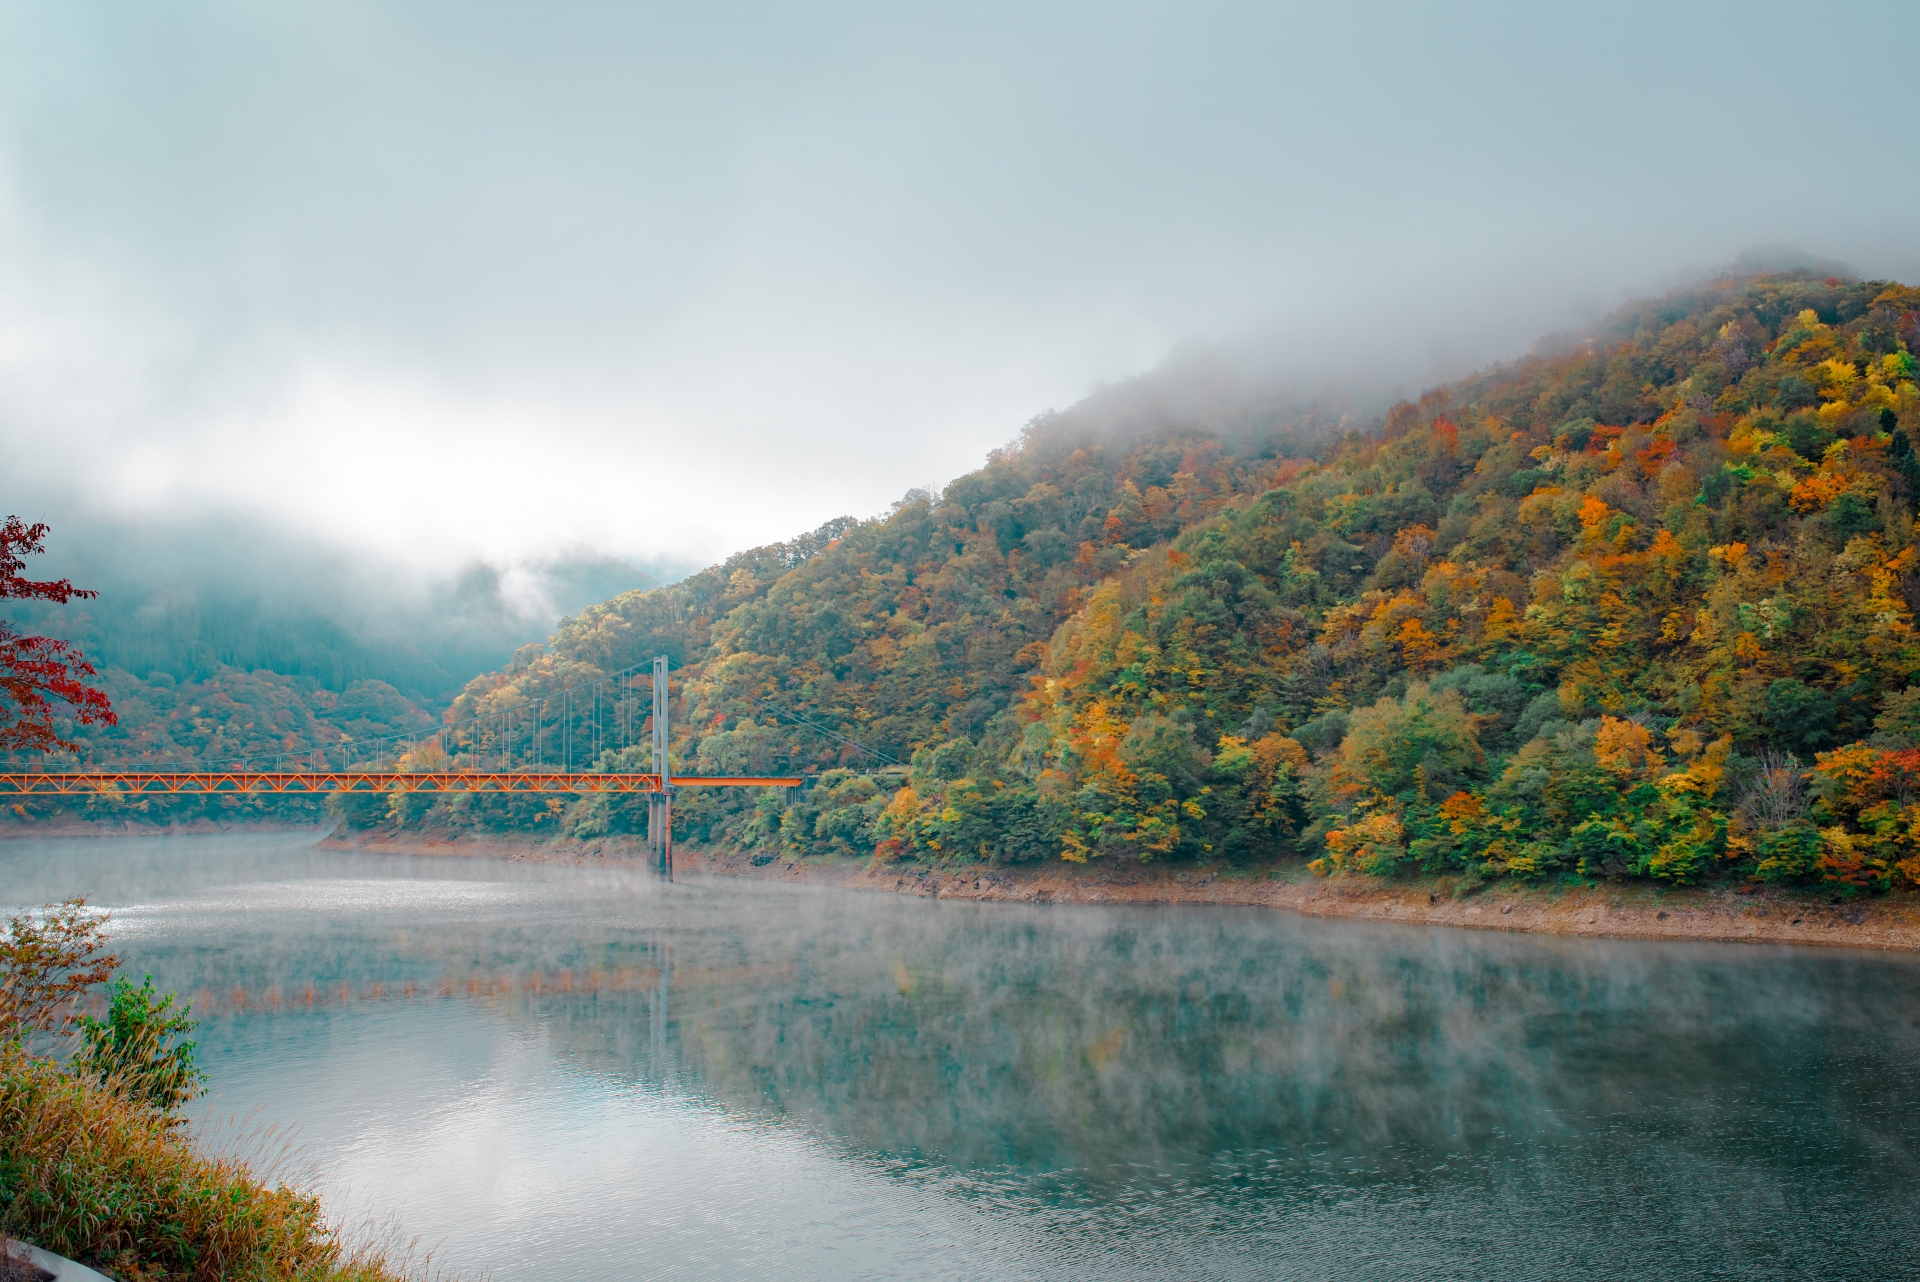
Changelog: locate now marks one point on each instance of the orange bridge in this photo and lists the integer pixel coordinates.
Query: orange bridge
(125, 782)
(369, 780)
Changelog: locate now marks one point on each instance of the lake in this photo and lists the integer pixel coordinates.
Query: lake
(578, 1073)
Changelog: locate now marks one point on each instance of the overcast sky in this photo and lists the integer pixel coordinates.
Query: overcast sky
(438, 279)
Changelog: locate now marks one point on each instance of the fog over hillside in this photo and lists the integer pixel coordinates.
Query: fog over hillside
(188, 596)
(191, 598)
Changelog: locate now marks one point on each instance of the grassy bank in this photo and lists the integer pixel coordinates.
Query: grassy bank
(93, 1175)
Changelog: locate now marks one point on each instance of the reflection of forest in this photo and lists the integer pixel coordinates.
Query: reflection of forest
(1113, 1042)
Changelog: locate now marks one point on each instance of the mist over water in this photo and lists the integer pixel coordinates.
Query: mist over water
(580, 1073)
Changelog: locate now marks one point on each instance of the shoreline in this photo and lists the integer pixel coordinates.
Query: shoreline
(1888, 923)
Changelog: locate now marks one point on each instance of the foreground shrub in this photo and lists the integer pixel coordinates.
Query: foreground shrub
(133, 1047)
(94, 1174)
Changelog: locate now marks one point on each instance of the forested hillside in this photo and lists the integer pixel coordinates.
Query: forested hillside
(1641, 607)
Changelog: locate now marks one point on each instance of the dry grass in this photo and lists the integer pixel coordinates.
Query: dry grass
(89, 1173)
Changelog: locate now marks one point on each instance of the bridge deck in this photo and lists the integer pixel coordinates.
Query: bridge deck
(129, 782)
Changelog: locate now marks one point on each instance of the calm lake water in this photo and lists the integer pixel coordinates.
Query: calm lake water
(561, 1073)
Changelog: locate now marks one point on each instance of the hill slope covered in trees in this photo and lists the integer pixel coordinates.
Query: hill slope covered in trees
(1638, 608)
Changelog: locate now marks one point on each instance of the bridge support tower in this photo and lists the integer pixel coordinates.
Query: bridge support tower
(660, 804)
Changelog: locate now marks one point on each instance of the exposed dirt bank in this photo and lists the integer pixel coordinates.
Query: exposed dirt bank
(1626, 912)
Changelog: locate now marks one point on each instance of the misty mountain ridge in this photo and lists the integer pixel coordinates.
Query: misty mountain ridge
(267, 599)
(1638, 605)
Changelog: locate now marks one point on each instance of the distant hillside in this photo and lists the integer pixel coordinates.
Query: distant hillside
(1641, 607)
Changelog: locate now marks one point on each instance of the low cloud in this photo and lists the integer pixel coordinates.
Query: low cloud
(668, 284)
